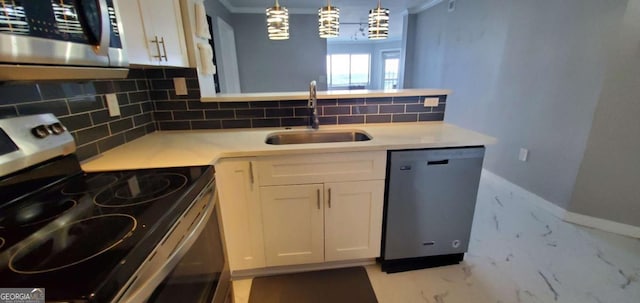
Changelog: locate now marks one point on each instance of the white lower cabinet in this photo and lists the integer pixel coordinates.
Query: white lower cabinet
(353, 220)
(292, 216)
(241, 213)
(322, 222)
(328, 214)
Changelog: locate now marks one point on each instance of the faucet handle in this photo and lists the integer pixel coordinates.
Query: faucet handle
(312, 94)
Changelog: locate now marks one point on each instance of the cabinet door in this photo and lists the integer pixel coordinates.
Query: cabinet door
(136, 40)
(241, 213)
(353, 219)
(293, 224)
(162, 18)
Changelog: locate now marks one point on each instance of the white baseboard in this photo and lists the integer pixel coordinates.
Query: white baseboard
(571, 217)
(602, 224)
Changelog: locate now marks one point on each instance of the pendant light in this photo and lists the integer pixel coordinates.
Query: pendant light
(278, 22)
(329, 21)
(378, 23)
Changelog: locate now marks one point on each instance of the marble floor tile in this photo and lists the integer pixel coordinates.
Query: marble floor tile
(519, 253)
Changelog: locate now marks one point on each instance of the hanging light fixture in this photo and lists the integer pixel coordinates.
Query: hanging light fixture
(278, 22)
(378, 23)
(329, 21)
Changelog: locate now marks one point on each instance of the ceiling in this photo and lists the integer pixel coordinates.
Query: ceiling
(351, 11)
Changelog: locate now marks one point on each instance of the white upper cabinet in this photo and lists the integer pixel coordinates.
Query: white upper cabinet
(154, 33)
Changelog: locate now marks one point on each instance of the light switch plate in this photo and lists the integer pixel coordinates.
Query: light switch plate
(431, 102)
(112, 104)
(180, 85)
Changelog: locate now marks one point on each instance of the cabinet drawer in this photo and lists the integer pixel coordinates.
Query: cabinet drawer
(320, 168)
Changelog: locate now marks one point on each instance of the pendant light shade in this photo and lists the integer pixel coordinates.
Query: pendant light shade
(278, 22)
(378, 23)
(329, 21)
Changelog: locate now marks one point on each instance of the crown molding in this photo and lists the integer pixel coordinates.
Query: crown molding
(421, 7)
(416, 7)
(262, 10)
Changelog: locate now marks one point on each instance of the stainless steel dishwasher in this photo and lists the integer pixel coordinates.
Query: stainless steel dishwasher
(430, 201)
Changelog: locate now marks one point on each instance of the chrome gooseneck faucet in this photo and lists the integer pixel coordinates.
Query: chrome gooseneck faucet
(314, 123)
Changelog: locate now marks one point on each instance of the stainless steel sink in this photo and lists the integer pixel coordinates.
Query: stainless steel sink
(303, 137)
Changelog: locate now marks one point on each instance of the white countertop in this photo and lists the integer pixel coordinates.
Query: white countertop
(331, 94)
(204, 147)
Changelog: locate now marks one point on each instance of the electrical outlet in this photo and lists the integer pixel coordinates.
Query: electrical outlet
(112, 104)
(431, 102)
(180, 85)
(524, 154)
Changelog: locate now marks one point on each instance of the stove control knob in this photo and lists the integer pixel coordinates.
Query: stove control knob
(57, 128)
(40, 131)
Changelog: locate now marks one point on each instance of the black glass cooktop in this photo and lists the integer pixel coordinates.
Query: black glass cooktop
(84, 237)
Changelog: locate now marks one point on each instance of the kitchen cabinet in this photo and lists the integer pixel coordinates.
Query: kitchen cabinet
(314, 223)
(238, 192)
(353, 220)
(322, 207)
(293, 224)
(154, 33)
(321, 168)
(301, 209)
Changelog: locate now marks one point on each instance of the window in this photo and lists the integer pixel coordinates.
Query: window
(391, 70)
(348, 71)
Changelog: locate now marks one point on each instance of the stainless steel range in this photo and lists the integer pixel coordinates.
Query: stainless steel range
(123, 236)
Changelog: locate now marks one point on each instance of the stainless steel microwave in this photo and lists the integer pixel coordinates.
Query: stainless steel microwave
(61, 39)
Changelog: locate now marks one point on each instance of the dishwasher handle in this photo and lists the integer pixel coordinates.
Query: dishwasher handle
(441, 162)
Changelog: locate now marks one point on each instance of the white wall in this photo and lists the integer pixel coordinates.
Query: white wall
(529, 73)
(608, 182)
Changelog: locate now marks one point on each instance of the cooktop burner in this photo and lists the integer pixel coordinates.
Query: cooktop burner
(35, 213)
(138, 190)
(91, 184)
(72, 244)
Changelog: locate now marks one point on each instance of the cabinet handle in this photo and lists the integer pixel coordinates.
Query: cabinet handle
(318, 197)
(157, 42)
(329, 197)
(251, 172)
(164, 48)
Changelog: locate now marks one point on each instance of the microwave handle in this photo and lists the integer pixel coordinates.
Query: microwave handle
(105, 35)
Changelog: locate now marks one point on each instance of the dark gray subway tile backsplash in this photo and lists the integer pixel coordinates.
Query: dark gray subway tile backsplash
(174, 112)
(148, 102)
(81, 107)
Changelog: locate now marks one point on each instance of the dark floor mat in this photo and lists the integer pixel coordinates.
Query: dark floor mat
(333, 286)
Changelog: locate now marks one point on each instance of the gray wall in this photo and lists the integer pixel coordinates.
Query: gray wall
(607, 185)
(529, 73)
(276, 66)
(374, 49)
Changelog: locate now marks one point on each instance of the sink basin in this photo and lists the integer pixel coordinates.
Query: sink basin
(303, 137)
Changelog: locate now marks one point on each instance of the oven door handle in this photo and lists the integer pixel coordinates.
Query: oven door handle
(140, 291)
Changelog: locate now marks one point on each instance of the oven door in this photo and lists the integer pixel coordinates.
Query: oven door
(189, 265)
(202, 275)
